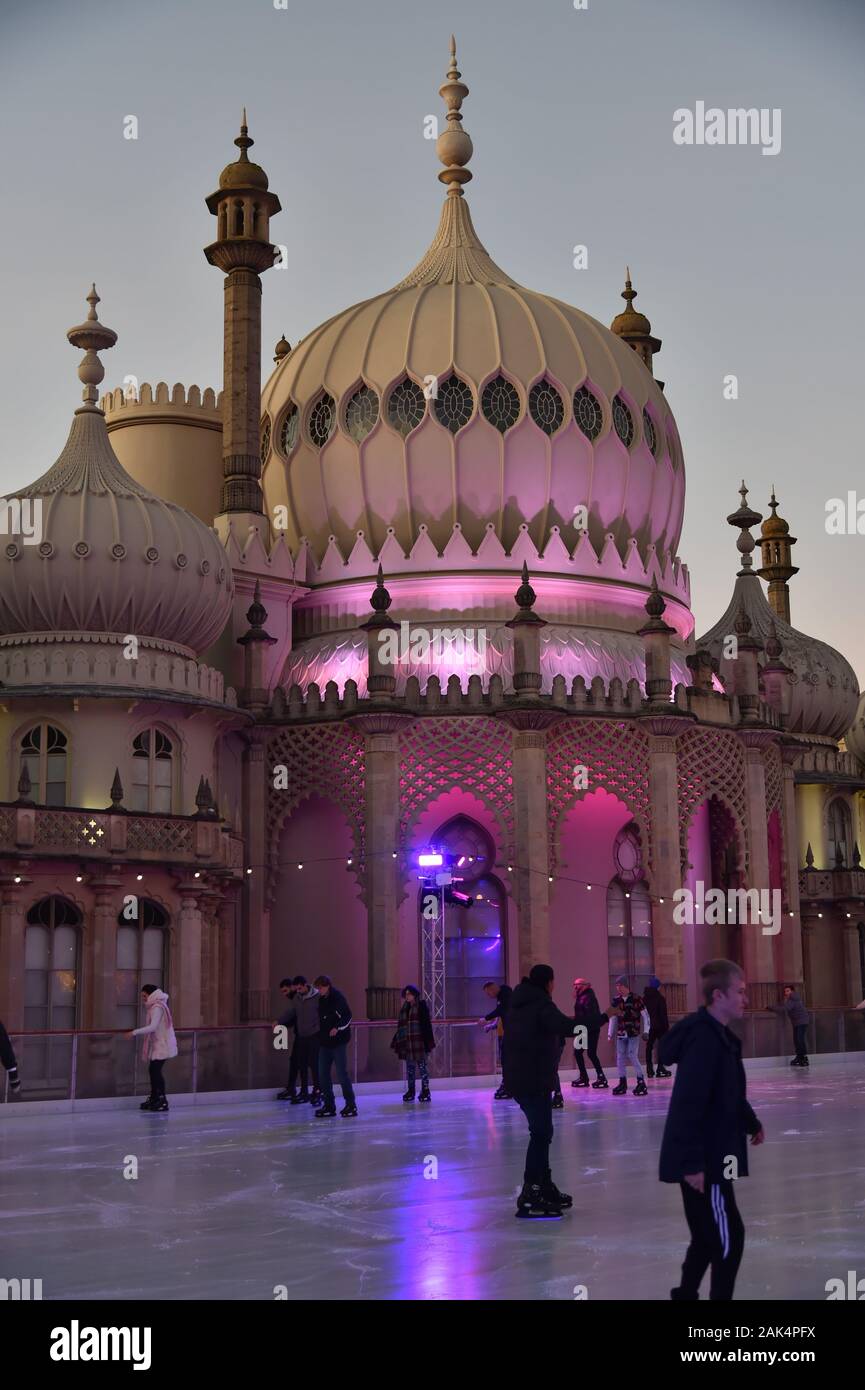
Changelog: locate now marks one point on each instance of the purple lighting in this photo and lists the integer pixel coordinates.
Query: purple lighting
(430, 859)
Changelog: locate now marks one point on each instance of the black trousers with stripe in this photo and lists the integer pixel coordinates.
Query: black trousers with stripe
(717, 1239)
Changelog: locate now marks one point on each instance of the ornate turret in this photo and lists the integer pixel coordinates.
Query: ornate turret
(775, 547)
(634, 328)
(526, 627)
(656, 634)
(381, 673)
(243, 208)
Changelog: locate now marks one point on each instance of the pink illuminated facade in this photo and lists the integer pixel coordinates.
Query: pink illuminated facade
(441, 605)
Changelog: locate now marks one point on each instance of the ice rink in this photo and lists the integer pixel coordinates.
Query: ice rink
(236, 1200)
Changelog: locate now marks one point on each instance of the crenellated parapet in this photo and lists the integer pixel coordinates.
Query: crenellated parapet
(136, 401)
(79, 660)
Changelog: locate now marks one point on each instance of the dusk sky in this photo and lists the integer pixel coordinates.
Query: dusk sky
(745, 263)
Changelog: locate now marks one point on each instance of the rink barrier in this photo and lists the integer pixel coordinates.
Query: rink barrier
(70, 1065)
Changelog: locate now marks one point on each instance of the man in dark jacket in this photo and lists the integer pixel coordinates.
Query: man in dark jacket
(497, 1018)
(659, 1023)
(334, 1035)
(704, 1147)
(587, 1012)
(800, 1018)
(531, 1056)
(302, 1015)
(7, 1057)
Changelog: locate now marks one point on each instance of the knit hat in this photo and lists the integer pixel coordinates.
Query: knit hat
(654, 982)
(622, 980)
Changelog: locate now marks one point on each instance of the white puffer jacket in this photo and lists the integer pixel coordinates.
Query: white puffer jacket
(159, 1040)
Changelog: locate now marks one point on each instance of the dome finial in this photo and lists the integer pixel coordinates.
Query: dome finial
(745, 517)
(454, 146)
(634, 328)
(243, 141)
(94, 337)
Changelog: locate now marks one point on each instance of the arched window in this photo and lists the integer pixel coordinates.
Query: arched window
(142, 957)
(51, 955)
(629, 915)
(474, 936)
(152, 772)
(839, 834)
(238, 219)
(43, 753)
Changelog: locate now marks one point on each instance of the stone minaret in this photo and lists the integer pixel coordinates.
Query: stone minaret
(777, 569)
(634, 328)
(243, 208)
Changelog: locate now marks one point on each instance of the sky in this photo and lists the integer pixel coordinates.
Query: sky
(747, 264)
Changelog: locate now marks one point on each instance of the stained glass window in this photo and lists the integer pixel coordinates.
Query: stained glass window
(322, 418)
(623, 422)
(361, 413)
(500, 404)
(588, 413)
(546, 407)
(405, 407)
(453, 404)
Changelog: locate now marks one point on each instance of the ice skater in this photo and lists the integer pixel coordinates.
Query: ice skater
(413, 1042)
(659, 1023)
(627, 1020)
(287, 1020)
(587, 1012)
(160, 1043)
(497, 1018)
(303, 1016)
(7, 1057)
(534, 1039)
(704, 1148)
(799, 1017)
(334, 1035)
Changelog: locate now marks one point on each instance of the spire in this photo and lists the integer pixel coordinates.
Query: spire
(94, 337)
(24, 786)
(454, 147)
(745, 517)
(634, 328)
(777, 566)
(116, 791)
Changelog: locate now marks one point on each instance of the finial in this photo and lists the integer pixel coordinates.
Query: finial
(243, 141)
(201, 799)
(454, 147)
(629, 294)
(256, 613)
(809, 857)
(525, 595)
(116, 791)
(282, 349)
(742, 623)
(745, 517)
(24, 786)
(655, 603)
(380, 599)
(773, 643)
(94, 337)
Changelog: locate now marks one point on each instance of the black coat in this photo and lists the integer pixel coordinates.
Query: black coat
(533, 1042)
(7, 1052)
(656, 1007)
(503, 1004)
(709, 1115)
(587, 1010)
(333, 1012)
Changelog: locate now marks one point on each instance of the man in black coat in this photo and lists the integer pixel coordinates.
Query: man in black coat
(534, 1035)
(659, 1023)
(334, 1034)
(497, 1018)
(704, 1148)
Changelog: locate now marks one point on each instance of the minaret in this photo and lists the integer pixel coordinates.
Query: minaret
(775, 546)
(243, 208)
(634, 328)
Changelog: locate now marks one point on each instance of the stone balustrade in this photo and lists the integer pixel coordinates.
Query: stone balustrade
(831, 885)
(55, 830)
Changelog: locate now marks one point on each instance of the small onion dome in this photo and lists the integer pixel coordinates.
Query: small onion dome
(630, 320)
(242, 173)
(111, 558)
(774, 526)
(282, 349)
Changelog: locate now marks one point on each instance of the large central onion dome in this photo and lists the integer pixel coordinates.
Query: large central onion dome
(459, 396)
(101, 554)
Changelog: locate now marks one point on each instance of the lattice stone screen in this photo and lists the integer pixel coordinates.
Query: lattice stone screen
(443, 755)
(616, 756)
(712, 763)
(326, 761)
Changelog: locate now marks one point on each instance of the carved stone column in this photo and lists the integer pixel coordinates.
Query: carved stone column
(188, 1012)
(666, 853)
(11, 952)
(791, 960)
(759, 948)
(100, 993)
(255, 996)
(531, 886)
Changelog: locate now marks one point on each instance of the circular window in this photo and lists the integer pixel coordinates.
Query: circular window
(623, 422)
(288, 433)
(361, 413)
(546, 408)
(405, 407)
(588, 413)
(500, 404)
(322, 418)
(649, 433)
(454, 404)
(265, 440)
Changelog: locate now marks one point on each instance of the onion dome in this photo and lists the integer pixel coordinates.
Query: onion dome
(107, 556)
(461, 398)
(630, 320)
(242, 173)
(774, 526)
(282, 349)
(824, 685)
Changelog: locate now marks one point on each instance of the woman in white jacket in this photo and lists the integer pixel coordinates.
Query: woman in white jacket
(160, 1043)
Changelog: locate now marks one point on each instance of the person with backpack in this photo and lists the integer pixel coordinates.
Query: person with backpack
(704, 1148)
(160, 1043)
(659, 1023)
(534, 1039)
(413, 1041)
(587, 1012)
